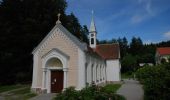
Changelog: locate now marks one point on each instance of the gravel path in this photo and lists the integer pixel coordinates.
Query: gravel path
(131, 90)
(49, 96)
(2, 98)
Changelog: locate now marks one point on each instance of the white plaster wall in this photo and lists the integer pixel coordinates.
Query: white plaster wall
(165, 57)
(81, 70)
(113, 70)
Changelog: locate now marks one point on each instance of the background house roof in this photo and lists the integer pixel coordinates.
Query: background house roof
(108, 51)
(164, 50)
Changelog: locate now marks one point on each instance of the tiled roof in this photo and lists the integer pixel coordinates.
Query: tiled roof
(164, 50)
(108, 51)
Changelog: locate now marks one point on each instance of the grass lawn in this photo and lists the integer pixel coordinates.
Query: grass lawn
(10, 87)
(112, 88)
(17, 92)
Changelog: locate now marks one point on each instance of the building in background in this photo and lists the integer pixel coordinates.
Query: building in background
(162, 55)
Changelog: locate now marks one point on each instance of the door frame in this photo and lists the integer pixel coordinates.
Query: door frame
(46, 76)
(62, 79)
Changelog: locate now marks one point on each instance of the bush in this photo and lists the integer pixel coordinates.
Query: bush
(88, 93)
(156, 80)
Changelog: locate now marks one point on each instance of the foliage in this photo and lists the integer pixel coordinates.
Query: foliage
(89, 93)
(111, 88)
(30, 22)
(136, 50)
(9, 87)
(136, 46)
(129, 63)
(156, 80)
(16, 92)
(127, 75)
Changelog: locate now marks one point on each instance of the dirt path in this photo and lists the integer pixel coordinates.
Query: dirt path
(131, 90)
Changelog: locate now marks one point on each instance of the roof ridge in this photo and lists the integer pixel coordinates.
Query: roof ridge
(109, 44)
(162, 47)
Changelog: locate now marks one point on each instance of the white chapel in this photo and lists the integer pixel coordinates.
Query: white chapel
(61, 60)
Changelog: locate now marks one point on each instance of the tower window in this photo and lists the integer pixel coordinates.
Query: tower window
(92, 40)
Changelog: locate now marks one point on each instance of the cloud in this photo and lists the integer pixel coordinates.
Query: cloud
(137, 18)
(143, 11)
(167, 35)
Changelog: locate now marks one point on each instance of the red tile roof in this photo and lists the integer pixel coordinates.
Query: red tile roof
(108, 51)
(164, 50)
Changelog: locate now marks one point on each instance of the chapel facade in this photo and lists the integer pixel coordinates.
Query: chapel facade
(61, 60)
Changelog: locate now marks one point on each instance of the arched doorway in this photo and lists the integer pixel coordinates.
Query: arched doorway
(56, 68)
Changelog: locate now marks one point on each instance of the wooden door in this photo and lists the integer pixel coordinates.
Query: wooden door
(56, 81)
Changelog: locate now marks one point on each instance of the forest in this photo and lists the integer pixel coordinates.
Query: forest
(24, 23)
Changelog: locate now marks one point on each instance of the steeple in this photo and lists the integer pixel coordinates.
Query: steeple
(92, 33)
(92, 26)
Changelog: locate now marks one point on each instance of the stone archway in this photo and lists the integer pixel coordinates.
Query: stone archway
(57, 76)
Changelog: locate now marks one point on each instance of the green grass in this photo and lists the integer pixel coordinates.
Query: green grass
(17, 92)
(29, 95)
(21, 91)
(111, 88)
(9, 87)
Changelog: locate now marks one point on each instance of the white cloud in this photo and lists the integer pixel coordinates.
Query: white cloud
(143, 12)
(137, 18)
(167, 35)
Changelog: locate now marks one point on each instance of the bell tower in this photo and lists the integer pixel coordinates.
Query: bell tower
(92, 33)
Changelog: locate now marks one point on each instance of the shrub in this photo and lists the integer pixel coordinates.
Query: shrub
(156, 81)
(88, 93)
(68, 94)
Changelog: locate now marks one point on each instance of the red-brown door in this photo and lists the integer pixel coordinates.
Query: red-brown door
(56, 81)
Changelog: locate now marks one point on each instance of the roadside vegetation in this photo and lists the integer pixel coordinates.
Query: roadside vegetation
(9, 87)
(156, 81)
(16, 92)
(91, 93)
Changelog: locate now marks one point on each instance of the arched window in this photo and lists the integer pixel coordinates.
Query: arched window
(86, 74)
(92, 72)
(92, 40)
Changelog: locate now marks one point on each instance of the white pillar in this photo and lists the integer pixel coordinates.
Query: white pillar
(44, 79)
(100, 77)
(65, 77)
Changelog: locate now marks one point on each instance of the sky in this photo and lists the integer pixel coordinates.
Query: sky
(147, 19)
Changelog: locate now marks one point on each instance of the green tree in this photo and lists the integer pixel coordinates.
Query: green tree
(123, 43)
(136, 46)
(129, 63)
(23, 24)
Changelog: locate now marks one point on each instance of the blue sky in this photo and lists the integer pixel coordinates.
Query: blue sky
(148, 19)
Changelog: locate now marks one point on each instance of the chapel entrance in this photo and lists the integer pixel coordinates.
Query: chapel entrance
(57, 75)
(56, 81)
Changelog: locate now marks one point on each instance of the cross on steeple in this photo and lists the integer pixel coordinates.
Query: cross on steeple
(58, 21)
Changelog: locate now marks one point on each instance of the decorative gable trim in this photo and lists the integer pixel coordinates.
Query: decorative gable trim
(59, 27)
(57, 50)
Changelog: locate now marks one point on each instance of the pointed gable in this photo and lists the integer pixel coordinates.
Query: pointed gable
(75, 40)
